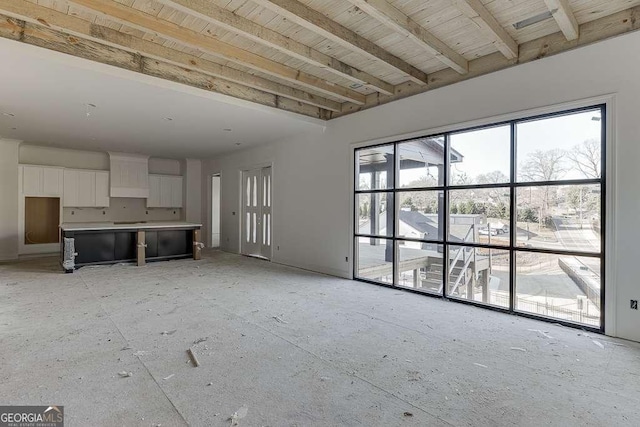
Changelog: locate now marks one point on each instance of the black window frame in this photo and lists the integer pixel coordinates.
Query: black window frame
(513, 185)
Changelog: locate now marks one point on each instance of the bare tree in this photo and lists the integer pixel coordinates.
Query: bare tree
(497, 197)
(586, 158)
(544, 166)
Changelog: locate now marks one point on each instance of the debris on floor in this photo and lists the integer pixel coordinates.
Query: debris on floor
(414, 375)
(192, 356)
(125, 374)
(280, 319)
(481, 365)
(519, 349)
(238, 415)
(139, 353)
(408, 414)
(168, 332)
(598, 343)
(543, 333)
(199, 340)
(169, 377)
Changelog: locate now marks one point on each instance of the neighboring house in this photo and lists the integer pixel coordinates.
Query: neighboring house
(417, 225)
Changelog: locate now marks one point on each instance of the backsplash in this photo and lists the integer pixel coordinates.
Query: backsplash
(122, 209)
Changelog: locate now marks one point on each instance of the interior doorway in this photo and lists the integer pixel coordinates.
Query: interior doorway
(256, 212)
(215, 211)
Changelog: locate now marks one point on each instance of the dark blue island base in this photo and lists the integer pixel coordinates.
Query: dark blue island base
(110, 245)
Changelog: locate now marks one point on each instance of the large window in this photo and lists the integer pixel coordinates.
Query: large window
(509, 215)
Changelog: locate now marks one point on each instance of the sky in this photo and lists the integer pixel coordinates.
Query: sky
(488, 150)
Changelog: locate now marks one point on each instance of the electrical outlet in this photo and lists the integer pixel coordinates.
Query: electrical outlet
(634, 304)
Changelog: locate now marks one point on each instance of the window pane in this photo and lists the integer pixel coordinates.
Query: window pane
(478, 274)
(421, 162)
(559, 217)
(481, 156)
(371, 211)
(562, 147)
(374, 168)
(375, 259)
(419, 215)
(480, 216)
(559, 286)
(420, 266)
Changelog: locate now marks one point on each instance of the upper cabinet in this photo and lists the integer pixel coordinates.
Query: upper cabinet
(86, 188)
(41, 181)
(165, 191)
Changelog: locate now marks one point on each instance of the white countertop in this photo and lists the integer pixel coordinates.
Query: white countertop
(96, 226)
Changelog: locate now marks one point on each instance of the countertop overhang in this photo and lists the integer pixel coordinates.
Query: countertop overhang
(102, 226)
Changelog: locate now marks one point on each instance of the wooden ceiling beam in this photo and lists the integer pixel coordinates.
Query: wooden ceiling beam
(75, 26)
(318, 23)
(478, 13)
(42, 36)
(563, 14)
(134, 18)
(229, 21)
(393, 18)
(623, 22)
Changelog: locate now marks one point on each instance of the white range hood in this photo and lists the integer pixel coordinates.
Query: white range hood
(129, 175)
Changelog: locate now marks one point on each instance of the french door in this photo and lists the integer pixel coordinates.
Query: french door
(256, 212)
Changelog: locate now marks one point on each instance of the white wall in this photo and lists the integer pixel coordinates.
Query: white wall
(313, 174)
(193, 190)
(8, 192)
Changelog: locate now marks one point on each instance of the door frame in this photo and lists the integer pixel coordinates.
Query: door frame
(210, 209)
(240, 172)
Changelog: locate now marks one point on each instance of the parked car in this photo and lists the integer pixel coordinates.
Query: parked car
(484, 231)
(499, 227)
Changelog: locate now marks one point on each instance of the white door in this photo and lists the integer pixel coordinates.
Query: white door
(215, 211)
(256, 212)
(265, 249)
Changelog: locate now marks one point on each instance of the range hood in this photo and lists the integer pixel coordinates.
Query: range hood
(129, 175)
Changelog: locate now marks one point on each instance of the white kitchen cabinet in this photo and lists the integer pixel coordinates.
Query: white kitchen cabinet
(176, 192)
(86, 189)
(165, 191)
(102, 189)
(70, 198)
(153, 201)
(41, 181)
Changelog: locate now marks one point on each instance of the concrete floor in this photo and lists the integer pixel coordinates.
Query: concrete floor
(293, 348)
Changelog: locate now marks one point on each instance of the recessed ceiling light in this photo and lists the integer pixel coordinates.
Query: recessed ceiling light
(8, 114)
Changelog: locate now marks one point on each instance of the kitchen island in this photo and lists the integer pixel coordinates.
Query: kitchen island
(113, 242)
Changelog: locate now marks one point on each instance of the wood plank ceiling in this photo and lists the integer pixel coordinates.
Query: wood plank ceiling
(321, 58)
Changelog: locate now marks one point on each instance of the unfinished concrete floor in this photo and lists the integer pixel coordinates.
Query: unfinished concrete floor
(294, 348)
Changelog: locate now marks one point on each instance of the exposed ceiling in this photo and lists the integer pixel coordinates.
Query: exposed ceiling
(320, 58)
(45, 99)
